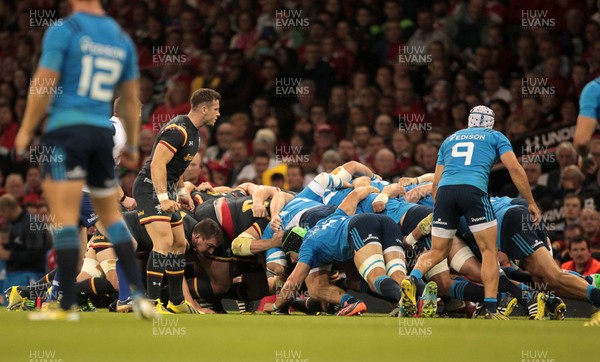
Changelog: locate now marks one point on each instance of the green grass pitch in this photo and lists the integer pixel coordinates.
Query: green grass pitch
(104, 336)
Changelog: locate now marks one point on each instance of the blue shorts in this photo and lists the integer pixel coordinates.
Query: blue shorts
(374, 228)
(454, 201)
(79, 153)
(520, 237)
(87, 216)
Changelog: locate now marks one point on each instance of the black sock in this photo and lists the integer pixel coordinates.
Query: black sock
(95, 286)
(200, 288)
(174, 269)
(155, 269)
(67, 260)
(505, 285)
(238, 291)
(517, 274)
(364, 288)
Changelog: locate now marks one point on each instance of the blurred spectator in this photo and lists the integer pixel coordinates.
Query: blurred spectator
(561, 247)
(581, 253)
(238, 159)
(329, 161)
(568, 112)
(384, 126)
(8, 129)
(338, 105)
(590, 222)
(361, 138)
(192, 172)
(468, 25)
(493, 87)
(242, 128)
(571, 212)
(176, 103)
(427, 156)
(15, 186)
(224, 137)
(147, 96)
(580, 76)
(28, 242)
(33, 184)
(260, 110)
(295, 178)
(542, 195)
(255, 170)
(209, 77)
(247, 34)
(346, 150)
(316, 69)
(385, 165)
(324, 141)
(402, 149)
(426, 33)
(566, 155)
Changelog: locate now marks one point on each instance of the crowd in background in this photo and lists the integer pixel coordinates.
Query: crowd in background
(308, 85)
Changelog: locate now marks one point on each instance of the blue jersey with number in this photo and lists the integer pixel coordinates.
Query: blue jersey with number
(93, 55)
(327, 242)
(468, 156)
(589, 101)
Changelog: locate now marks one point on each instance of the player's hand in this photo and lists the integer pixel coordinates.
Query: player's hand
(130, 156)
(259, 210)
(278, 237)
(186, 202)
(412, 196)
(406, 181)
(169, 206)
(205, 186)
(502, 258)
(205, 310)
(276, 222)
(536, 215)
(129, 203)
(268, 308)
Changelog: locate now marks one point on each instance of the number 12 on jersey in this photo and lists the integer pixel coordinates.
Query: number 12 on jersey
(98, 72)
(466, 151)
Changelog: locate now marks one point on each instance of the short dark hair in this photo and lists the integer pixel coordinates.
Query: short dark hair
(579, 239)
(259, 154)
(204, 95)
(208, 228)
(302, 171)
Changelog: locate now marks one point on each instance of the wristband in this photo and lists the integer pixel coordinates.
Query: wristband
(274, 308)
(382, 197)
(181, 191)
(410, 240)
(163, 197)
(123, 198)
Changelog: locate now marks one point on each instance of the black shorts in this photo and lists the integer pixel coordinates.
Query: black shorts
(148, 207)
(520, 237)
(373, 228)
(79, 153)
(454, 201)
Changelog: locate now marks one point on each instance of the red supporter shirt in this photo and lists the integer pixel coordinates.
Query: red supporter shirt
(592, 267)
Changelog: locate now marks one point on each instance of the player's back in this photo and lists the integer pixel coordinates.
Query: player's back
(469, 154)
(327, 241)
(93, 56)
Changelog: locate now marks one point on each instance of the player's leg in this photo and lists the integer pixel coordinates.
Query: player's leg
(175, 262)
(64, 200)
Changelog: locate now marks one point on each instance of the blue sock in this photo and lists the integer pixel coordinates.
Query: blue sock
(464, 290)
(121, 239)
(387, 287)
(593, 295)
(66, 245)
(124, 291)
(347, 299)
(416, 273)
(491, 304)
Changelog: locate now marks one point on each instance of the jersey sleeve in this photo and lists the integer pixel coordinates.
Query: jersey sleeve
(173, 137)
(588, 101)
(503, 144)
(307, 253)
(130, 67)
(54, 47)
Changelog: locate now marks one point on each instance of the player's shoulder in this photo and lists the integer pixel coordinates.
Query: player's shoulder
(592, 88)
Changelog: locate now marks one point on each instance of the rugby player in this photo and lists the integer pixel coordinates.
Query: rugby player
(159, 191)
(341, 237)
(88, 56)
(462, 172)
